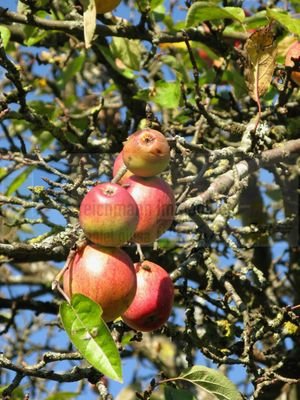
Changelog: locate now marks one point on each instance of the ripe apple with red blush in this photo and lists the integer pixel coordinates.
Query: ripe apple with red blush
(104, 274)
(153, 301)
(156, 204)
(108, 215)
(292, 55)
(146, 152)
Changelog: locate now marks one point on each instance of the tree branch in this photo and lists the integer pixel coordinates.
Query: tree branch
(224, 182)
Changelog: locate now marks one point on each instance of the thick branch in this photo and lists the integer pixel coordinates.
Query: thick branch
(75, 28)
(74, 375)
(244, 168)
(55, 248)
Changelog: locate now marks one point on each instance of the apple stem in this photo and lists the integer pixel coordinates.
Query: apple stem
(140, 252)
(122, 171)
(61, 291)
(56, 282)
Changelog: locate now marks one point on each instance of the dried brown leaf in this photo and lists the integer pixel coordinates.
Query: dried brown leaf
(261, 49)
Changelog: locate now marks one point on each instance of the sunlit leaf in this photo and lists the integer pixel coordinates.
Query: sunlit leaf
(19, 180)
(256, 20)
(89, 21)
(261, 50)
(34, 34)
(207, 11)
(3, 172)
(127, 50)
(291, 24)
(91, 336)
(106, 52)
(167, 94)
(63, 396)
(211, 380)
(5, 35)
(155, 3)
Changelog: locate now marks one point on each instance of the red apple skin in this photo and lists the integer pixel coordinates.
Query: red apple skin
(153, 301)
(146, 152)
(118, 164)
(156, 204)
(108, 215)
(104, 274)
(293, 52)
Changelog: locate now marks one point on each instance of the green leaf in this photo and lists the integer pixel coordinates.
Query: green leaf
(155, 3)
(285, 19)
(206, 11)
(19, 180)
(256, 20)
(89, 21)
(167, 94)
(63, 396)
(128, 51)
(71, 70)
(3, 172)
(142, 94)
(18, 393)
(211, 380)
(35, 34)
(178, 394)
(91, 336)
(5, 35)
(127, 73)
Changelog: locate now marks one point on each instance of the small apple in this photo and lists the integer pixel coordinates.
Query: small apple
(104, 6)
(294, 53)
(108, 215)
(156, 204)
(118, 164)
(153, 301)
(104, 274)
(146, 152)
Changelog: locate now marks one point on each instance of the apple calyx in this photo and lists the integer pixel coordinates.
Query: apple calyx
(146, 152)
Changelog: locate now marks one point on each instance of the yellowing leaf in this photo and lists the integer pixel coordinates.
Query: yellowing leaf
(89, 21)
(261, 50)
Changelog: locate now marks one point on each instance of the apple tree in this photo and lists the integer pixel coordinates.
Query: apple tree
(220, 80)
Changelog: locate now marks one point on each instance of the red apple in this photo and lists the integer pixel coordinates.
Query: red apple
(156, 204)
(146, 152)
(104, 274)
(108, 215)
(293, 53)
(118, 164)
(205, 57)
(153, 301)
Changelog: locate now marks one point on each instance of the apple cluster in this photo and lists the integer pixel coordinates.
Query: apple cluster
(139, 208)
